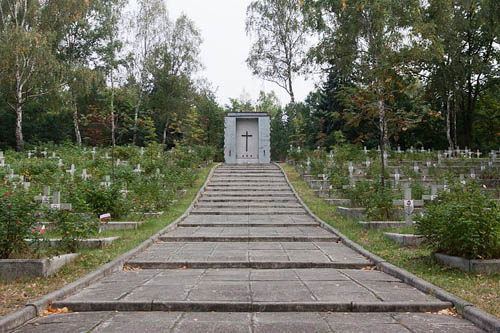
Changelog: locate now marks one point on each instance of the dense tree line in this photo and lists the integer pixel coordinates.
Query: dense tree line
(94, 72)
(394, 72)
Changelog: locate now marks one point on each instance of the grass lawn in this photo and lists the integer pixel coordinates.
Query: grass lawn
(15, 294)
(481, 290)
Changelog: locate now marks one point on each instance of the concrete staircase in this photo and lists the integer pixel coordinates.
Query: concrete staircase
(250, 259)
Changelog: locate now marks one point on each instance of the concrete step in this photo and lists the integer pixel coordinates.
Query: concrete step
(253, 184)
(247, 224)
(240, 205)
(209, 198)
(262, 180)
(249, 239)
(235, 290)
(253, 194)
(248, 188)
(255, 233)
(248, 174)
(261, 321)
(255, 211)
(155, 305)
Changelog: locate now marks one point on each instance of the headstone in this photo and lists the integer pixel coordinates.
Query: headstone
(408, 204)
(45, 197)
(397, 177)
(107, 182)
(247, 138)
(85, 175)
(365, 150)
(138, 168)
(415, 167)
(399, 149)
(72, 170)
(60, 164)
(478, 154)
(124, 191)
(56, 202)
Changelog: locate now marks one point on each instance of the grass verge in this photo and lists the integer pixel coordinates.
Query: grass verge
(15, 294)
(481, 290)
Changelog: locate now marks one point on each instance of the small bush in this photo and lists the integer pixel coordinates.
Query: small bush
(463, 222)
(18, 220)
(73, 227)
(103, 200)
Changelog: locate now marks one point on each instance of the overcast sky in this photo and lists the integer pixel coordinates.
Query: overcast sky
(225, 48)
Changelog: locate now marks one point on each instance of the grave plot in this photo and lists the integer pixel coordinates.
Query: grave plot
(67, 199)
(414, 184)
(223, 274)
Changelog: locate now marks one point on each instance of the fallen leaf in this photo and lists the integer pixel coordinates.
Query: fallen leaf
(131, 268)
(369, 268)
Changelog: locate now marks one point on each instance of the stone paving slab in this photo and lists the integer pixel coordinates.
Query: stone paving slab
(248, 322)
(248, 211)
(253, 194)
(239, 204)
(250, 218)
(250, 232)
(244, 254)
(246, 286)
(245, 179)
(233, 187)
(222, 198)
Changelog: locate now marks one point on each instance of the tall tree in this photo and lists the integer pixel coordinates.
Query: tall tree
(278, 52)
(462, 39)
(27, 62)
(173, 65)
(112, 15)
(151, 26)
(77, 36)
(367, 38)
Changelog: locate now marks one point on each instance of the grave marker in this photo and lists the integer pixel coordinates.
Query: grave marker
(56, 202)
(45, 197)
(138, 168)
(107, 183)
(84, 175)
(72, 170)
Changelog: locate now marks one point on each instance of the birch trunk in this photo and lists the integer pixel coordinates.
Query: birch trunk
(19, 109)
(448, 122)
(74, 107)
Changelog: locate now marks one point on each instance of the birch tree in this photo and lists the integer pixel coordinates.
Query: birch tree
(278, 52)
(150, 26)
(27, 64)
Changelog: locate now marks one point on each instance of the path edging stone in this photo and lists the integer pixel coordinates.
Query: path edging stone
(37, 307)
(471, 312)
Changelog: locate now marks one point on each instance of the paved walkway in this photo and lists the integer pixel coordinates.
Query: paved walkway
(250, 259)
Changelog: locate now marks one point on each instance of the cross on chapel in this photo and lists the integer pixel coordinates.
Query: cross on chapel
(246, 136)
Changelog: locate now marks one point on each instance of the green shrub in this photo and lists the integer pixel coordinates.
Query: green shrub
(18, 220)
(73, 227)
(103, 200)
(463, 222)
